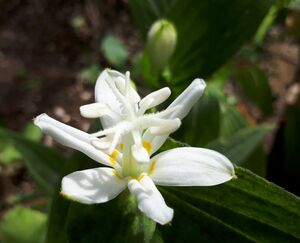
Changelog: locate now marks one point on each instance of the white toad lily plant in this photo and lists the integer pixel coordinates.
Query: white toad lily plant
(127, 144)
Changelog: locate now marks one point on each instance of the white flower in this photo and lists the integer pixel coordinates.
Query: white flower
(127, 144)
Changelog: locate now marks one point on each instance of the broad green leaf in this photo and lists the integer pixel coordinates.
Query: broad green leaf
(239, 146)
(23, 225)
(116, 221)
(114, 51)
(231, 121)
(209, 32)
(212, 34)
(247, 209)
(43, 163)
(255, 86)
(256, 161)
(146, 12)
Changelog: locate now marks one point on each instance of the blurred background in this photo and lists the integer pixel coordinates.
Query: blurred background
(51, 53)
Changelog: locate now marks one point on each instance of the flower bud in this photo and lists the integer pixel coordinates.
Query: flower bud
(162, 38)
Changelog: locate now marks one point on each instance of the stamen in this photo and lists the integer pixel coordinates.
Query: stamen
(115, 141)
(166, 127)
(120, 97)
(127, 83)
(153, 99)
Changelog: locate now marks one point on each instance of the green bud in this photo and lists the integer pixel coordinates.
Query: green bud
(162, 38)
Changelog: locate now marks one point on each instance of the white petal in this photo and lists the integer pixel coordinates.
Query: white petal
(150, 201)
(92, 186)
(187, 98)
(104, 94)
(167, 127)
(140, 154)
(71, 137)
(184, 102)
(94, 110)
(155, 98)
(191, 167)
(74, 132)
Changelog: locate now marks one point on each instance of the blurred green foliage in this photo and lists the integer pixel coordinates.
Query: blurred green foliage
(23, 225)
(114, 51)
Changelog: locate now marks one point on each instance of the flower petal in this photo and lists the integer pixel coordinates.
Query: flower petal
(150, 201)
(92, 186)
(187, 98)
(153, 99)
(71, 137)
(94, 110)
(184, 102)
(105, 95)
(191, 167)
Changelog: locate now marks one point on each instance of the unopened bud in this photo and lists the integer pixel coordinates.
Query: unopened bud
(162, 38)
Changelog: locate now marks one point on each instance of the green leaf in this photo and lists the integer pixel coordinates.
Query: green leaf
(248, 209)
(231, 121)
(209, 32)
(269, 19)
(8, 154)
(116, 221)
(114, 51)
(239, 146)
(146, 12)
(44, 163)
(32, 132)
(255, 86)
(23, 225)
(90, 73)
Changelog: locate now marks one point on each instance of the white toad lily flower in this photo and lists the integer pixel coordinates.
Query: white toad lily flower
(127, 143)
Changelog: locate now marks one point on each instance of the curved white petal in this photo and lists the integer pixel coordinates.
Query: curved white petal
(105, 95)
(184, 102)
(187, 98)
(92, 186)
(150, 201)
(94, 110)
(155, 98)
(191, 167)
(71, 137)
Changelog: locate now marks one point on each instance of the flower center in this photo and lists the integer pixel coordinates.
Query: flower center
(130, 125)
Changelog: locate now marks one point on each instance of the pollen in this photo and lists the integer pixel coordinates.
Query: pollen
(114, 154)
(151, 170)
(147, 145)
(112, 161)
(117, 175)
(141, 177)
